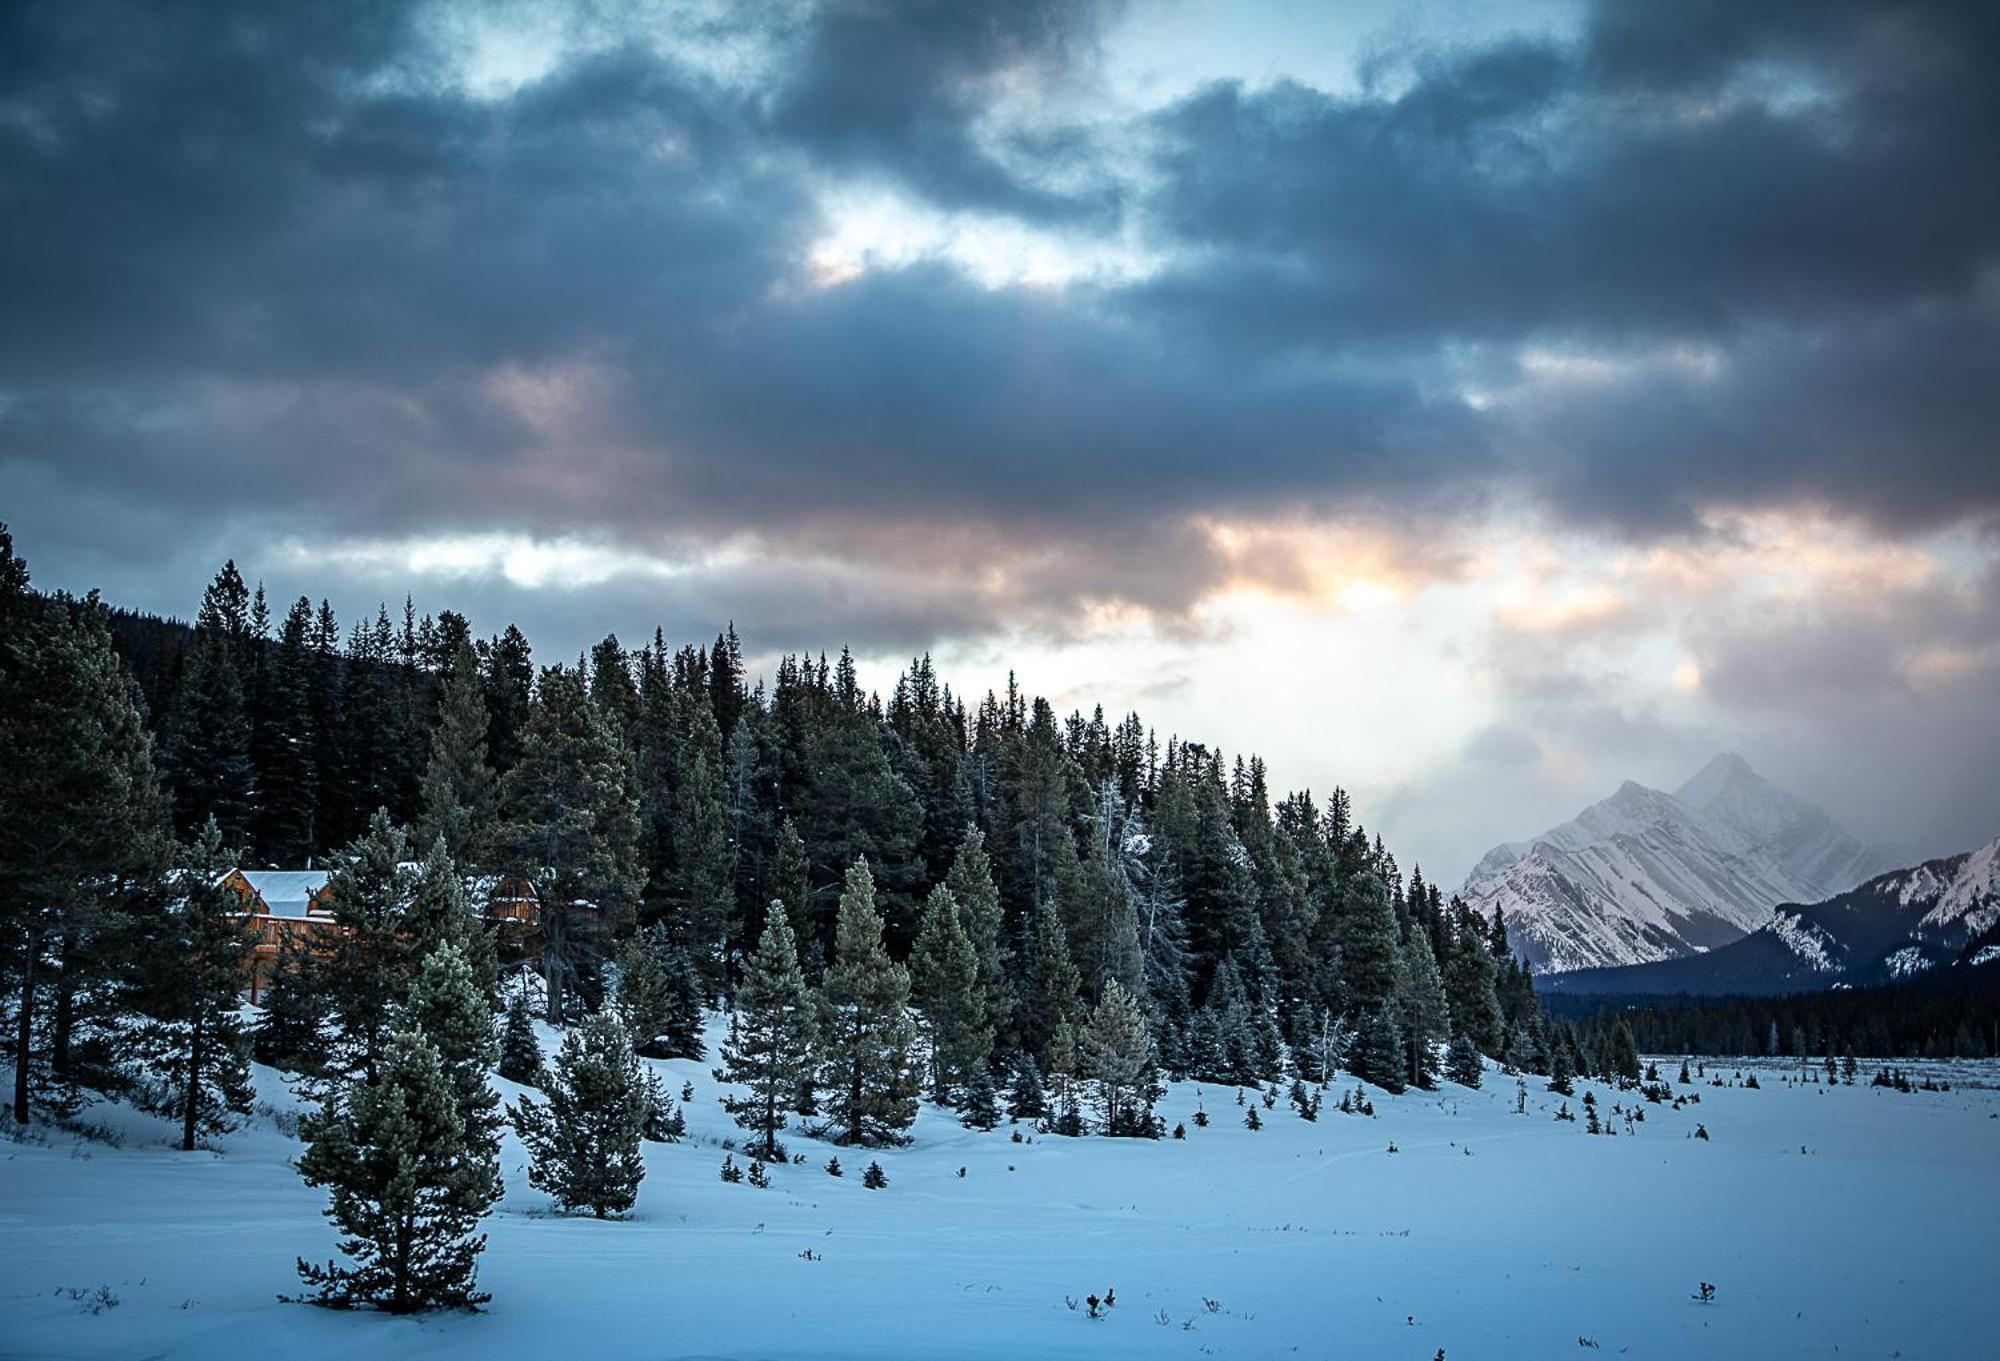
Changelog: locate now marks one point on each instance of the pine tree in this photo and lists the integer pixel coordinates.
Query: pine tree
(706, 860)
(945, 984)
(1369, 963)
(1623, 1055)
(366, 964)
(571, 820)
(874, 1178)
(980, 1107)
(1065, 1080)
(209, 746)
(659, 996)
(1376, 1051)
(1117, 1054)
(1470, 978)
(583, 1143)
(1424, 1011)
(1462, 1064)
(520, 1051)
(408, 1188)
(286, 771)
(791, 874)
(441, 914)
(461, 795)
(82, 819)
(865, 1060)
(1562, 1070)
(1025, 1098)
(1049, 995)
(770, 1049)
(446, 1003)
(970, 882)
(193, 1054)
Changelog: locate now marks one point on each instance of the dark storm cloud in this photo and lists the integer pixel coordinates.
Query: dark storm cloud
(272, 262)
(900, 89)
(1807, 189)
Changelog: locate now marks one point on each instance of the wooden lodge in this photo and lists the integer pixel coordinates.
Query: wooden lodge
(293, 907)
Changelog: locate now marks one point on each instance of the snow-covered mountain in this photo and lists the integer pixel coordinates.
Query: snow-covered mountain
(1645, 875)
(1909, 923)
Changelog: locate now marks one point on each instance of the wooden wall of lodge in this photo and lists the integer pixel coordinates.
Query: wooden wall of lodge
(511, 904)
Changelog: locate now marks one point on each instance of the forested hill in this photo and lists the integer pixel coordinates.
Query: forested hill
(694, 799)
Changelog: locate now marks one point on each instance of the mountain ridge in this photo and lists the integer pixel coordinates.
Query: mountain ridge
(1904, 924)
(1644, 875)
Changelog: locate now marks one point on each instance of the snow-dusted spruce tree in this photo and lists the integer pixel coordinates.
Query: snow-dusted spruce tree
(520, 1051)
(1622, 1054)
(461, 794)
(366, 965)
(79, 809)
(1065, 1098)
(441, 914)
(1562, 1069)
(1048, 999)
(659, 996)
(447, 1005)
(769, 1050)
(583, 1144)
(192, 1053)
(1461, 1063)
(944, 982)
(1117, 1053)
(970, 881)
(865, 1035)
(568, 809)
(408, 1188)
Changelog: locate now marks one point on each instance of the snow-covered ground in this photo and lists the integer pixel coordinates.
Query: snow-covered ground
(1848, 1221)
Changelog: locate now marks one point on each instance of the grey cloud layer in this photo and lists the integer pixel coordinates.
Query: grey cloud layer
(272, 251)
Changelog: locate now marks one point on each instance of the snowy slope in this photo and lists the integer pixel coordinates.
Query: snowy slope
(1487, 1234)
(1645, 875)
(1905, 924)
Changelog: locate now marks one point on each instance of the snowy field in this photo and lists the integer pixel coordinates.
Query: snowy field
(1850, 1222)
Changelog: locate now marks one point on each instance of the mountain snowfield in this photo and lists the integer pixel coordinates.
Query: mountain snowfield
(1645, 875)
(1924, 921)
(1486, 1235)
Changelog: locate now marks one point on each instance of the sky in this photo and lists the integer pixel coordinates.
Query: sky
(1474, 405)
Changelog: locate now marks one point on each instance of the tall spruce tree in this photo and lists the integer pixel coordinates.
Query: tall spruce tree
(1116, 1050)
(520, 1051)
(865, 1038)
(1049, 993)
(408, 1188)
(365, 965)
(209, 746)
(461, 795)
(1422, 1006)
(970, 881)
(659, 996)
(706, 865)
(191, 1051)
(770, 1048)
(583, 1142)
(945, 984)
(447, 1004)
(572, 822)
(82, 820)
(286, 773)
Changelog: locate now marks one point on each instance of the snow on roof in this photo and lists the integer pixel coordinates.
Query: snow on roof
(286, 892)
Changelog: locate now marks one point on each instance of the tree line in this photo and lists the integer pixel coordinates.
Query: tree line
(987, 902)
